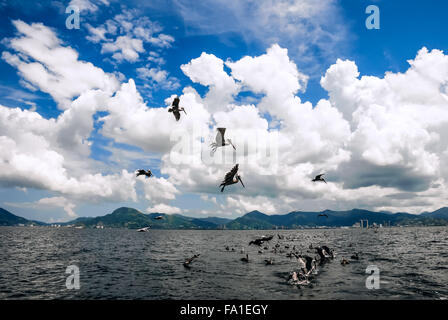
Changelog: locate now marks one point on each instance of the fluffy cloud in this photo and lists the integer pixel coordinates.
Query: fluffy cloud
(30, 158)
(58, 202)
(164, 208)
(48, 203)
(88, 5)
(52, 154)
(131, 32)
(315, 32)
(51, 67)
(382, 142)
(208, 70)
(397, 122)
(157, 77)
(132, 122)
(124, 48)
(375, 138)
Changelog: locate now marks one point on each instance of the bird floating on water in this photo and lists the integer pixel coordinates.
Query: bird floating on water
(319, 178)
(189, 261)
(307, 264)
(324, 253)
(231, 178)
(246, 258)
(221, 141)
(355, 256)
(175, 109)
(261, 240)
(145, 229)
(141, 172)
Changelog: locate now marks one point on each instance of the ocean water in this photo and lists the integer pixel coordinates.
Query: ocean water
(125, 264)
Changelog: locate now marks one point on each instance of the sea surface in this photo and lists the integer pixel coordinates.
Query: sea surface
(125, 264)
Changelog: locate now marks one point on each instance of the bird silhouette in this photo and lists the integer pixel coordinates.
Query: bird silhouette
(142, 172)
(220, 140)
(231, 178)
(175, 109)
(319, 178)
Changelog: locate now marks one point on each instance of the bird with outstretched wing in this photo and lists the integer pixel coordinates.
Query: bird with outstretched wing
(319, 178)
(141, 172)
(231, 178)
(176, 109)
(220, 140)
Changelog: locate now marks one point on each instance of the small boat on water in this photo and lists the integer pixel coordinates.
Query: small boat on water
(145, 229)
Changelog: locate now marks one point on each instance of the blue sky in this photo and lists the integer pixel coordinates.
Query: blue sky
(229, 30)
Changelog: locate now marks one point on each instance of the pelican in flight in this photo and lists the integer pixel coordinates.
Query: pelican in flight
(319, 178)
(220, 140)
(159, 218)
(231, 178)
(322, 215)
(175, 108)
(142, 172)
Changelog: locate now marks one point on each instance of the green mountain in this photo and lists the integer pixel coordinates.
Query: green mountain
(329, 218)
(120, 218)
(9, 219)
(133, 219)
(251, 220)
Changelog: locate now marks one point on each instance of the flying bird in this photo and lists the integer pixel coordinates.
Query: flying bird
(231, 178)
(176, 109)
(220, 140)
(319, 178)
(142, 172)
(145, 229)
(159, 218)
(322, 215)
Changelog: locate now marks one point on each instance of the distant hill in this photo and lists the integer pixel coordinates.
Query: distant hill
(252, 220)
(9, 219)
(132, 219)
(441, 213)
(329, 218)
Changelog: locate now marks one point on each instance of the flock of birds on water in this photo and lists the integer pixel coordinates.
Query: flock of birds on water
(307, 264)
